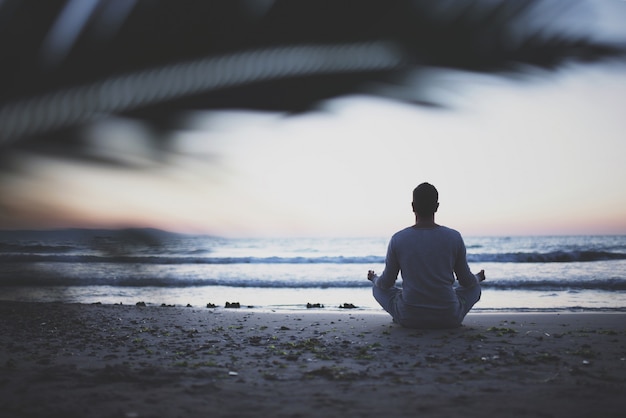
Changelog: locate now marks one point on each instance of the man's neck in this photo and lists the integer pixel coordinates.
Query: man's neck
(427, 222)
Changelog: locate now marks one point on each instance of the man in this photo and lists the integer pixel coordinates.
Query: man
(429, 257)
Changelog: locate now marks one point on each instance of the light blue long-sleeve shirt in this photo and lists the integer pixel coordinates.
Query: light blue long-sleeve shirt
(429, 260)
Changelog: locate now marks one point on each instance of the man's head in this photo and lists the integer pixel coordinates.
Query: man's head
(425, 200)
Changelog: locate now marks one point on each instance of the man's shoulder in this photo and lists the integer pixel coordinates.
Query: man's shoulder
(451, 233)
(403, 232)
(449, 230)
(440, 231)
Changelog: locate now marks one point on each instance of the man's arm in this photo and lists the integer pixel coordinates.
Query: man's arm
(462, 271)
(390, 274)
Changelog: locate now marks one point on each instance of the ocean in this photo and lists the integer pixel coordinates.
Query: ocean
(524, 273)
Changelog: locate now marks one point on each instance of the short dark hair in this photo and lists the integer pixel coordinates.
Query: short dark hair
(425, 199)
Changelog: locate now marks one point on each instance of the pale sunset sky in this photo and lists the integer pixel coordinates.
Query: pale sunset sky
(541, 155)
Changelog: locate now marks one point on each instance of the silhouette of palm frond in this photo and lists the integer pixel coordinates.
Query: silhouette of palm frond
(68, 63)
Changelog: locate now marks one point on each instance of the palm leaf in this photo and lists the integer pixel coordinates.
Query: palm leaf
(70, 63)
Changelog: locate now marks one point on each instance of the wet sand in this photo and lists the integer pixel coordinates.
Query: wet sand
(77, 360)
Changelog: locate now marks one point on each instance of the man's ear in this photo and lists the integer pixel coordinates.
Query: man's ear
(413, 206)
(437, 207)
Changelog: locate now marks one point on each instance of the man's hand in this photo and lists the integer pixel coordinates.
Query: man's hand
(481, 276)
(371, 275)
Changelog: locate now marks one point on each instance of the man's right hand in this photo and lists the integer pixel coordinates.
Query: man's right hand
(370, 275)
(481, 276)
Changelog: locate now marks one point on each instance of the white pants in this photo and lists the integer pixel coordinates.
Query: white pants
(417, 317)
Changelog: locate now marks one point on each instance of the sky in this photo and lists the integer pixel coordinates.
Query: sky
(538, 156)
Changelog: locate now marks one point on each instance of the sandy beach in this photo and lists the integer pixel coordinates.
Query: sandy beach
(78, 360)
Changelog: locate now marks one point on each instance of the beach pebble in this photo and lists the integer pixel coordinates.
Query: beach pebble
(233, 374)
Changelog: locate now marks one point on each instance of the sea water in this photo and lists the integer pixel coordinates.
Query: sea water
(527, 273)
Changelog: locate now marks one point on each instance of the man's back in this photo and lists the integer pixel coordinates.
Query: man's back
(428, 259)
